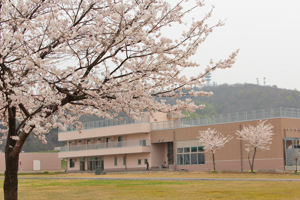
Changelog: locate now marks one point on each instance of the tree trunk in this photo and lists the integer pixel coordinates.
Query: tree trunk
(296, 166)
(252, 166)
(10, 186)
(213, 157)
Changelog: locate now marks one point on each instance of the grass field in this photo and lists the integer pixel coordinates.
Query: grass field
(40, 189)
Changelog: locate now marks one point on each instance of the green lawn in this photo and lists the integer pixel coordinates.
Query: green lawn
(34, 189)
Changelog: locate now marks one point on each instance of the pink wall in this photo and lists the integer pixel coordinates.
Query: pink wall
(235, 165)
(49, 161)
(159, 117)
(105, 131)
(158, 154)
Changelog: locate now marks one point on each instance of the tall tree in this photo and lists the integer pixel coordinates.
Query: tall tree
(213, 140)
(61, 59)
(257, 138)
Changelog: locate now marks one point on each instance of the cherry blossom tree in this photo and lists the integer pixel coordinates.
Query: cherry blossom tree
(257, 138)
(295, 156)
(213, 140)
(61, 59)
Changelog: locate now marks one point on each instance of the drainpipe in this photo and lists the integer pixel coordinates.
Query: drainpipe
(174, 150)
(241, 150)
(284, 150)
(125, 163)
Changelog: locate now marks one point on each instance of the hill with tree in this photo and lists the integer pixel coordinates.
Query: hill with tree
(226, 99)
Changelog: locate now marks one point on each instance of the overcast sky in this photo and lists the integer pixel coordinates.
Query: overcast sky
(267, 32)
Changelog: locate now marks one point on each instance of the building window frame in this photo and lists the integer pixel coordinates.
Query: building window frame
(124, 160)
(72, 163)
(190, 152)
(115, 161)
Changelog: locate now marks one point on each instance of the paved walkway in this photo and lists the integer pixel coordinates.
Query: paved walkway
(158, 179)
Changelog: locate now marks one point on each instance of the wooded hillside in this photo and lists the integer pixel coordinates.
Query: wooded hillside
(226, 99)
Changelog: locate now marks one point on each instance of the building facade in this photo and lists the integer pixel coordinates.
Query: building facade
(35, 162)
(170, 142)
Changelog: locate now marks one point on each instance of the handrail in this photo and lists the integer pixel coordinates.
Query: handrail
(227, 118)
(120, 144)
(111, 122)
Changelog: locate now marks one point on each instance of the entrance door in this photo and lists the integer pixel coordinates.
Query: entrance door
(82, 164)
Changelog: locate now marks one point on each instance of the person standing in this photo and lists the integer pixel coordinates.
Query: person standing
(147, 169)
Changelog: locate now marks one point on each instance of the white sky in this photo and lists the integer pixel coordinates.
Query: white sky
(267, 32)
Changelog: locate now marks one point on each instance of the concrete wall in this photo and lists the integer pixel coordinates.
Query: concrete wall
(158, 154)
(105, 132)
(49, 161)
(233, 156)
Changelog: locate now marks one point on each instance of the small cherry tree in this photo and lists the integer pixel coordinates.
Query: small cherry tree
(257, 138)
(295, 156)
(213, 140)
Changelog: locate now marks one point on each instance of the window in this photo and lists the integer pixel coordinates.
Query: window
(94, 162)
(194, 149)
(146, 160)
(124, 160)
(179, 150)
(139, 161)
(72, 163)
(201, 149)
(121, 141)
(186, 149)
(187, 159)
(170, 153)
(116, 161)
(180, 159)
(201, 158)
(142, 142)
(190, 152)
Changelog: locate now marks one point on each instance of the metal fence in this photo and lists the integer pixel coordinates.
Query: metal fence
(111, 122)
(120, 144)
(228, 118)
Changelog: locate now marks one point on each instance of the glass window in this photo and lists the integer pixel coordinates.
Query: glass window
(180, 159)
(201, 149)
(139, 161)
(186, 149)
(187, 159)
(201, 158)
(187, 152)
(146, 160)
(193, 149)
(116, 161)
(72, 163)
(179, 150)
(124, 160)
(194, 158)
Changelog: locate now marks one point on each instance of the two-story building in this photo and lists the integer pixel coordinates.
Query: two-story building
(171, 142)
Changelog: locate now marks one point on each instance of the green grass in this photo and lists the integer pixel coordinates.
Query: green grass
(128, 189)
(43, 189)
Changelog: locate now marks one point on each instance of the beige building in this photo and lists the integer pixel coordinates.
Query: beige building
(171, 142)
(35, 162)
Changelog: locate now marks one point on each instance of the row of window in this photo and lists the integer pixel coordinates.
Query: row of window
(190, 159)
(95, 161)
(199, 149)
